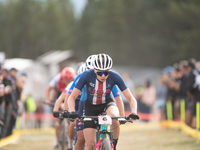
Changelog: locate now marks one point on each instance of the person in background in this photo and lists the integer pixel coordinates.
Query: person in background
(16, 101)
(8, 100)
(2, 101)
(38, 113)
(58, 85)
(182, 87)
(148, 97)
(194, 89)
(161, 95)
(30, 109)
(13, 75)
(138, 96)
(130, 84)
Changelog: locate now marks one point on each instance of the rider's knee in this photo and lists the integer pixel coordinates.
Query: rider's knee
(115, 122)
(91, 144)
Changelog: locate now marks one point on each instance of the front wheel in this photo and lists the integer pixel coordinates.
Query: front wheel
(106, 145)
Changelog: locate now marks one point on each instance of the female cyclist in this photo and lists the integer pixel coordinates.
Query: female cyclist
(99, 83)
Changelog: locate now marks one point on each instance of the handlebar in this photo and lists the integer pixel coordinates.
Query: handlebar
(122, 119)
(52, 105)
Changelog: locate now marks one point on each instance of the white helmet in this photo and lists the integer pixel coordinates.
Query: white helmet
(102, 62)
(89, 62)
(81, 69)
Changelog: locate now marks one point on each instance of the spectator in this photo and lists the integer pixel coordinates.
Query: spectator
(148, 97)
(2, 102)
(8, 100)
(161, 95)
(194, 89)
(130, 85)
(13, 75)
(184, 83)
(138, 96)
(30, 107)
(38, 113)
(16, 101)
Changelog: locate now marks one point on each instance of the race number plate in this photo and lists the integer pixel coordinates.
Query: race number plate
(105, 120)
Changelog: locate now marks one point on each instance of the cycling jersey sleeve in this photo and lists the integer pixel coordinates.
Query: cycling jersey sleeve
(84, 94)
(115, 91)
(74, 83)
(55, 80)
(68, 88)
(119, 81)
(82, 80)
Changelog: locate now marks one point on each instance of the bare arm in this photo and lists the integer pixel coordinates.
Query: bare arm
(47, 93)
(131, 99)
(72, 98)
(120, 105)
(66, 101)
(60, 99)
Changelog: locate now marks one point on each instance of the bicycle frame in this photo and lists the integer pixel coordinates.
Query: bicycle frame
(103, 120)
(102, 134)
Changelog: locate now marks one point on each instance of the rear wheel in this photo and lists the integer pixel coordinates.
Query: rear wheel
(106, 145)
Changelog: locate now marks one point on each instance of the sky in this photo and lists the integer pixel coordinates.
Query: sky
(79, 6)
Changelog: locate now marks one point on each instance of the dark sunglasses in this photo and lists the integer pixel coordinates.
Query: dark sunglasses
(100, 73)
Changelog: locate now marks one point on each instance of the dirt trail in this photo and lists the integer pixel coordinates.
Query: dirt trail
(139, 136)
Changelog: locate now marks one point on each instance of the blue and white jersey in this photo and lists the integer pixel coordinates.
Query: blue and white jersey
(68, 87)
(115, 91)
(80, 97)
(99, 92)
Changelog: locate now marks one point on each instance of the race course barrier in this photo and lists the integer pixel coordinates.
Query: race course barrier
(17, 133)
(10, 139)
(181, 125)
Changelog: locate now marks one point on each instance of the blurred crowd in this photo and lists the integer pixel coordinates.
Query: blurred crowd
(179, 83)
(11, 105)
(183, 84)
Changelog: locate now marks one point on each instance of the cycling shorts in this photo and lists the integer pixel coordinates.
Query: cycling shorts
(79, 125)
(95, 110)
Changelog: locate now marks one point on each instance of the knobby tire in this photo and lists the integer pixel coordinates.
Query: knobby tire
(106, 145)
(63, 135)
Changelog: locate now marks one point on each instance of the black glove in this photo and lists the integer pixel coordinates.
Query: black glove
(56, 114)
(122, 122)
(134, 116)
(65, 114)
(73, 115)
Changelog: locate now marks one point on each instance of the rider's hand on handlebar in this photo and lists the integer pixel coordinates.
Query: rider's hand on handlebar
(65, 114)
(73, 115)
(133, 116)
(56, 114)
(48, 102)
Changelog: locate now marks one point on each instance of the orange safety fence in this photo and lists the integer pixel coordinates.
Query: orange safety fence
(144, 116)
(39, 116)
(42, 116)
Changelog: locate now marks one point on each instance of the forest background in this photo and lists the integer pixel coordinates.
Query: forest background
(153, 33)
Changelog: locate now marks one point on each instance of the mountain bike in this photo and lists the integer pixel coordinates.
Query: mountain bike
(104, 137)
(62, 132)
(62, 136)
